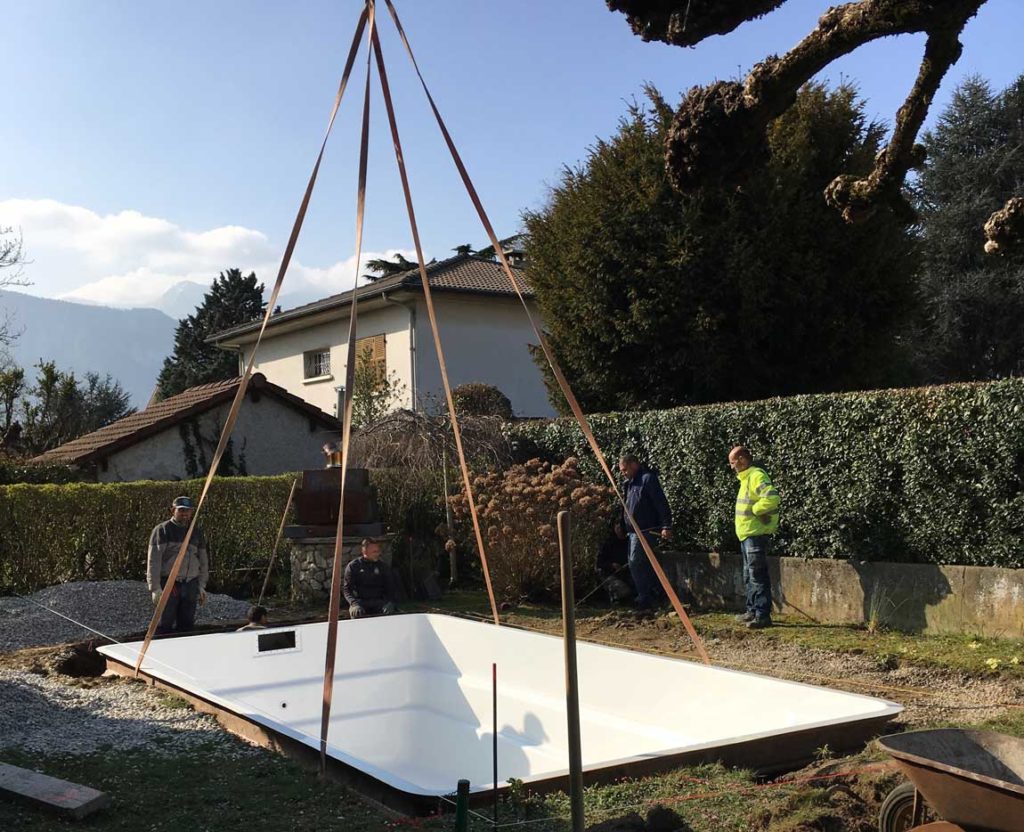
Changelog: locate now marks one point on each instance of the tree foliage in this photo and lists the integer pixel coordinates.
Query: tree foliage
(478, 399)
(655, 298)
(233, 299)
(376, 392)
(12, 260)
(382, 267)
(972, 304)
(61, 407)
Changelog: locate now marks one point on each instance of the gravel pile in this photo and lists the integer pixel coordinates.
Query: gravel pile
(114, 608)
(44, 714)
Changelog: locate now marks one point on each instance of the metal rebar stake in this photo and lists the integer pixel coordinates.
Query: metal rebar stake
(494, 733)
(572, 697)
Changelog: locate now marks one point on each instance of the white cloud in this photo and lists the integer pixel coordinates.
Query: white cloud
(129, 259)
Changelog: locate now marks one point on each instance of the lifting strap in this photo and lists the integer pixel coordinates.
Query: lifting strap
(243, 383)
(563, 384)
(428, 297)
(346, 416)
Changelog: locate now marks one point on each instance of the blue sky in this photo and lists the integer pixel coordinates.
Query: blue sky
(144, 143)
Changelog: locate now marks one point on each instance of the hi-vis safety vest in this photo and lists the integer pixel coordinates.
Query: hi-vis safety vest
(757, 498)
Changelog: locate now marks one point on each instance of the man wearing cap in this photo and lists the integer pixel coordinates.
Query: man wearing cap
(190, 585)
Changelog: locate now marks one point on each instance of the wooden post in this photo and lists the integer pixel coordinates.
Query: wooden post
(572, 696)
(462, 807)
(277, 541)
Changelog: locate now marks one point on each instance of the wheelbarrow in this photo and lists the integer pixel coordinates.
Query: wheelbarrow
(972, 780)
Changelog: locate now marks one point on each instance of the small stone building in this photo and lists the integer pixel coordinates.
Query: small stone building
(174, 439)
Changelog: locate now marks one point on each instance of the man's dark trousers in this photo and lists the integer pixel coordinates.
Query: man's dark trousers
(756, 577)
(180, 613)
(640, 569)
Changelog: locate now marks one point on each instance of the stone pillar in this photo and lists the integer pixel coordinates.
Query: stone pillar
(312, 560)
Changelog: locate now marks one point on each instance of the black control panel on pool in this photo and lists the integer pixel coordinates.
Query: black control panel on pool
(276, 641)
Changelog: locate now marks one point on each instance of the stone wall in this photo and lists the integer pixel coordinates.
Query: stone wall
(914, 597)
(312, 560)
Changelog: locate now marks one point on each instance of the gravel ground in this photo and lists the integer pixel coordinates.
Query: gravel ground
(114, 608)
(45, 714)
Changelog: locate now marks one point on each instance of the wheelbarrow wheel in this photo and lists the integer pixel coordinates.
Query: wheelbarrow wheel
(897, 812)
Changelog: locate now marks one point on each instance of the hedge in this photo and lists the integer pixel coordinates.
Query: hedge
(84, 531)
(928, 475)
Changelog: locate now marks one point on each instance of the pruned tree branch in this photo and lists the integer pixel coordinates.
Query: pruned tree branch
(12, 257)
(688, 23)
(719, 133)
(1004, 230)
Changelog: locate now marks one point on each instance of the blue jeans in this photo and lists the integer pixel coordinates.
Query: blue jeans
(644, 579)
(756, 578)
(180, 613)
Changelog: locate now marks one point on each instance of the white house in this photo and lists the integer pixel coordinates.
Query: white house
(484, 332)
(174, 439)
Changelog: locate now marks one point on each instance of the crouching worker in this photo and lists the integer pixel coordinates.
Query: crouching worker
(257, 619)
(369, 585)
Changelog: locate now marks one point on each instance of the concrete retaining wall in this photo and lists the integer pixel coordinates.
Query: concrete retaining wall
(905, 596)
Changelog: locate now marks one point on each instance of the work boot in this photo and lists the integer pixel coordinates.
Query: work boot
(759, 623)
(745, 617)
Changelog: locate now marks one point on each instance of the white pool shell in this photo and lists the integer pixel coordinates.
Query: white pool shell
(413, 709)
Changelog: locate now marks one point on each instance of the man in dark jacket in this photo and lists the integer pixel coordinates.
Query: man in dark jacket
(369, 585)
(190, 586)
(646, 502)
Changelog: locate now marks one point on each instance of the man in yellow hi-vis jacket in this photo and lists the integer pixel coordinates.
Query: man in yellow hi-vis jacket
(757, 519)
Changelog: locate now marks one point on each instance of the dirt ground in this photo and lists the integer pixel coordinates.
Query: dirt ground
(930, 695)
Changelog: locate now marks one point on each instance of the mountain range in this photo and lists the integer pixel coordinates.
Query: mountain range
(129, 344)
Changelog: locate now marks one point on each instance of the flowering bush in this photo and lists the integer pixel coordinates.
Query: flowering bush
(518, 511)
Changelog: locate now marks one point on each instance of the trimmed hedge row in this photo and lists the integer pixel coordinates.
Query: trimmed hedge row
(929, 475)
(84, 531)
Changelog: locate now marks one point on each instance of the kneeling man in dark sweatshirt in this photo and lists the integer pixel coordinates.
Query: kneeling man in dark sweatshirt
(369, 584)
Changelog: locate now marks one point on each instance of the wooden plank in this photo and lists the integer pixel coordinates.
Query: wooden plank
(60, 796)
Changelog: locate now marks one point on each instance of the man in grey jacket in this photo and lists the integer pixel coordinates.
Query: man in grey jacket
(190, 586)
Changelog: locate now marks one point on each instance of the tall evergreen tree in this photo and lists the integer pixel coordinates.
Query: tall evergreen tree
(233, 299)
(654, 299)
(972, 304)
(384, 268)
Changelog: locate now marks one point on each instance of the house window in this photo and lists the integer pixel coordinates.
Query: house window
(316, 363)
(373, 352)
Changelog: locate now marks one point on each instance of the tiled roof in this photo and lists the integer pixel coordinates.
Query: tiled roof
(462, 273)
(167, 413)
